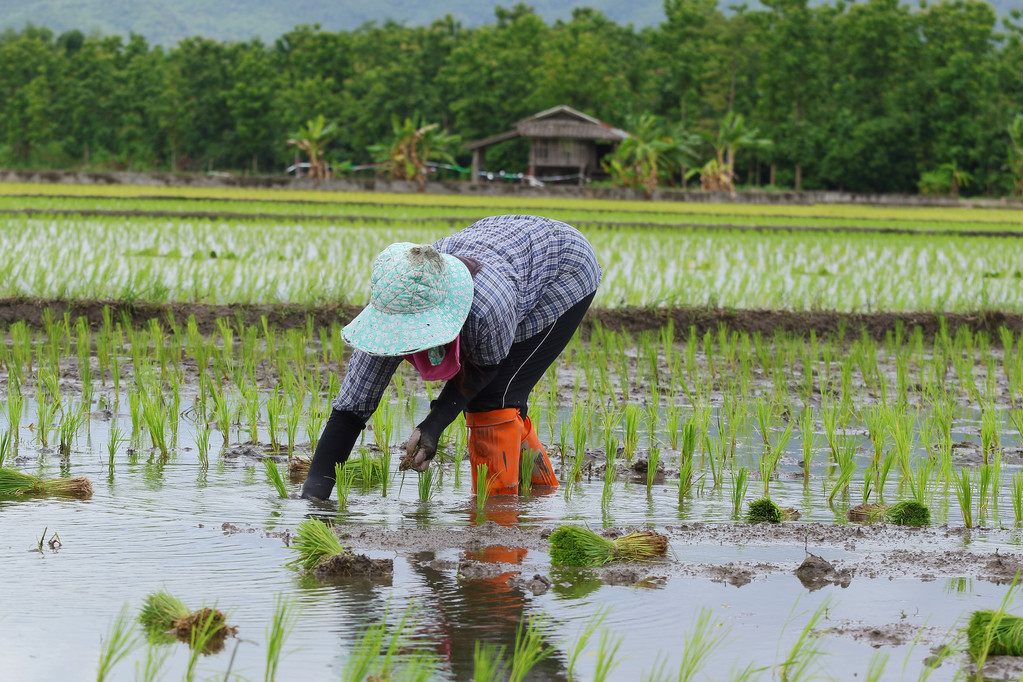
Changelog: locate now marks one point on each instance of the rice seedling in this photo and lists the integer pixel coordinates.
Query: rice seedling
(990, 437)
(375, 655)
(315, 419)
(908, 513)
(702, 641)
(344, 476)
(763, 510)
(1016, 496)
(606, 656)
(15, 407)
(202, 444)
(482, 486)
(576, 546)
(152, 669)
(739, 487)
(5, 447)
(251, 406)
(119, 642)
(800, 660)
(610, 474)
(17, 484)
(155, 418)
(527, 460)
(808, 441)
(488, 663)
(274, 410)
(652, 462)
(964, 494)
(285, 616)
(314, 542)
(630, 425)
(846, 468)
(275, 477)
(530, 647)
(292, 418)
(427, 485)
(685, 478)
(575, 647)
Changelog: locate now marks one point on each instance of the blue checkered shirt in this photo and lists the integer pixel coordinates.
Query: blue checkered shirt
(533, 270)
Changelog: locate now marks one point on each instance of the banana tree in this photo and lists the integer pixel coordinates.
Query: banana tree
(312, 139)
(649, 151)
(733, 134)
(414, 145)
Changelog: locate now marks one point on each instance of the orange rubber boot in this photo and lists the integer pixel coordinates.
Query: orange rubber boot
(543, 470)
(495, 439)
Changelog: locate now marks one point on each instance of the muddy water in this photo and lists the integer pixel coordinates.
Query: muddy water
(220, 536)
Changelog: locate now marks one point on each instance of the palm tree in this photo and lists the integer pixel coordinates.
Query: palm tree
(415, 144)
(312, 139)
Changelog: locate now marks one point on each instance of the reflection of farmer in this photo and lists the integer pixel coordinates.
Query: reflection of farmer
(488, 309)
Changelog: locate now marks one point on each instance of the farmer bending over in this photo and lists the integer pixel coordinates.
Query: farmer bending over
(488, 309)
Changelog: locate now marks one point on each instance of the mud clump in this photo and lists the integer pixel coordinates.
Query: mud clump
(1001, 569)
(298, 469)
(210, 620)
(538, 584)
(866, 513)
(348, 565)
(816, 572)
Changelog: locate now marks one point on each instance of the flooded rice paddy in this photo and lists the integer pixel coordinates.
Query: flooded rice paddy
(203, 523)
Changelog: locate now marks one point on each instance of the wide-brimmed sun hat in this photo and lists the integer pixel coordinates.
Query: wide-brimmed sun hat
(419, 298)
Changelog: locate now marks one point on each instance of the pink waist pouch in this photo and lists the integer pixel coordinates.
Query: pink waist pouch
(437, 364)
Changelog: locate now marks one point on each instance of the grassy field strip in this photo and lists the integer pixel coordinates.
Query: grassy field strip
(301, 208)
(144, 259)
(459, 221)
(516, 204)
(382, 214)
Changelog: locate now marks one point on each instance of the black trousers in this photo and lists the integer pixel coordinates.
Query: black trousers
(527, 361)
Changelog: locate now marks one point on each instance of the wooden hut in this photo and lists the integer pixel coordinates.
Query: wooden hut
(562, 141)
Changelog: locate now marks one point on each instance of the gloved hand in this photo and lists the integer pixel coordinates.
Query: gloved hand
(420, 449)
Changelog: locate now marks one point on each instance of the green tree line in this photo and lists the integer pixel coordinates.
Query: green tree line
(867, 96)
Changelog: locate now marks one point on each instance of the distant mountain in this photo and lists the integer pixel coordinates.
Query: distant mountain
(167, 21)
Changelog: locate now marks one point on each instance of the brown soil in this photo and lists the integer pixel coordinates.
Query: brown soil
(880, 550)
(353, 566)
(631, 319)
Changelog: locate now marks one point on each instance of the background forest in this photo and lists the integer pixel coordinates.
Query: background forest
(868, 96)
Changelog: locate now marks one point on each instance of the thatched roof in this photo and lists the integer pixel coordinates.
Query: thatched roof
(560, 122)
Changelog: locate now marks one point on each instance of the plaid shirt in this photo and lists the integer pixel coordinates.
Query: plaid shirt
(533, 270)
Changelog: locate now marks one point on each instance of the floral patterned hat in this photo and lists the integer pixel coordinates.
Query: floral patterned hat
(419, 298)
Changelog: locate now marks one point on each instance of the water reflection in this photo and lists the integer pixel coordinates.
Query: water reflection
(476, 604)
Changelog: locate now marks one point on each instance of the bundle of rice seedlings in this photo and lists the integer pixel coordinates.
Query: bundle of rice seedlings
(163, 614)
(994, 633)
(575, 546)
(763, 510)
(908, 513)
(16, 483)
(314, 542)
